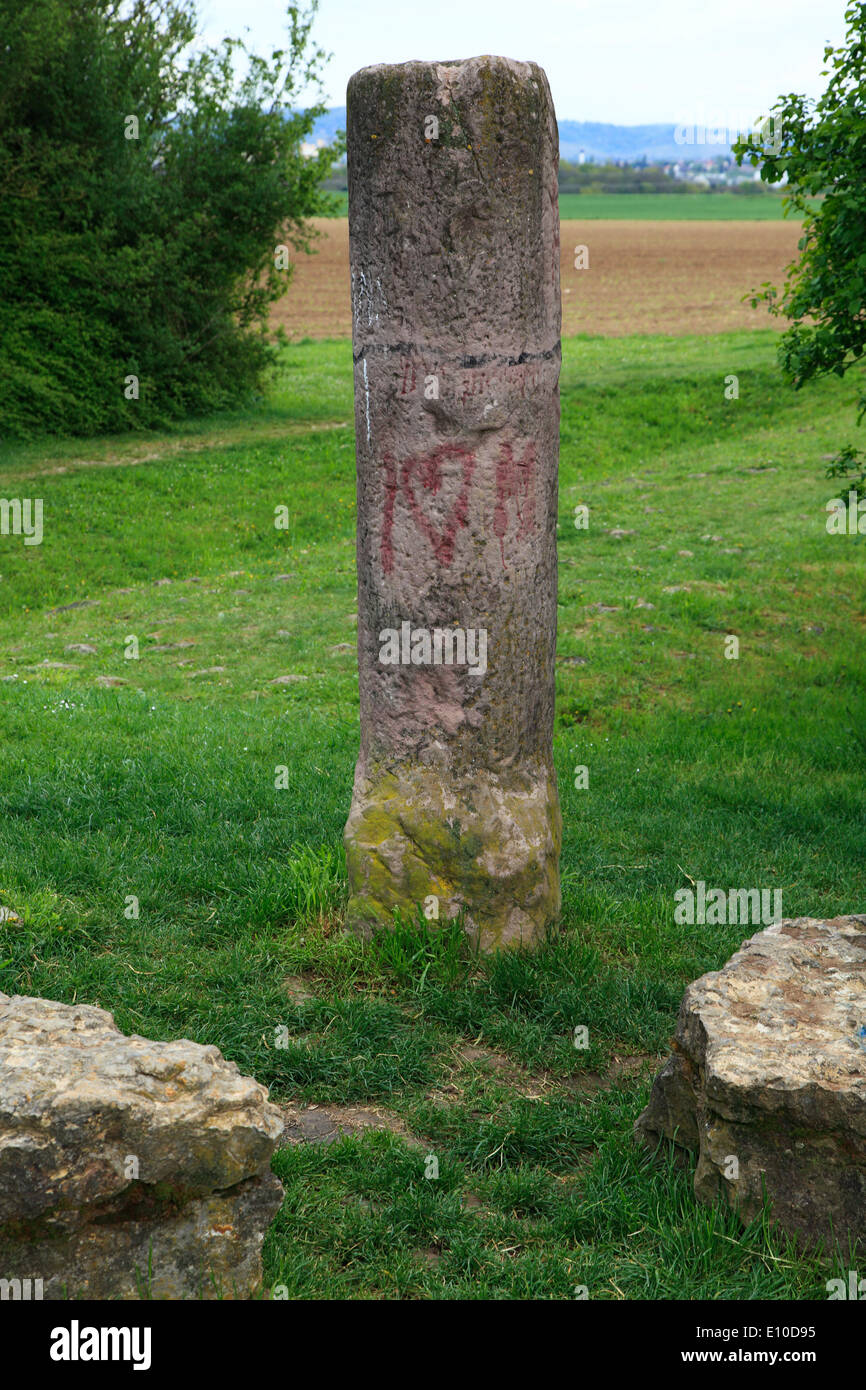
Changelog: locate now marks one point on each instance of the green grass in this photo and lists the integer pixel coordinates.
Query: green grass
(669, 207)
(162, 789)
(653, 207)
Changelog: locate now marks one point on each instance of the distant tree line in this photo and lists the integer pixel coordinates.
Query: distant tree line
(617, 178)
(608, 178)
(638, 178)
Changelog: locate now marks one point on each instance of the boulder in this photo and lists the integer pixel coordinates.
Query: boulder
(128, 1168)
(767, 1079)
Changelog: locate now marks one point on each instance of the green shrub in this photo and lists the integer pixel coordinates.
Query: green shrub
(143, 194)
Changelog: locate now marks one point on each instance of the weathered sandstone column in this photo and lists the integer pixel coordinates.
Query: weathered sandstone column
(454, 238)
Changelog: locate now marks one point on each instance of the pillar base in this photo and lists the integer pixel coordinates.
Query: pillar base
(487, 848)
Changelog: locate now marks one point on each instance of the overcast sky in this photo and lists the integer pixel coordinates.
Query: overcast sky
(624, 61)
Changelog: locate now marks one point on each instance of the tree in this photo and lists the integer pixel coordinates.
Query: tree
(144, 190)
(822, 151)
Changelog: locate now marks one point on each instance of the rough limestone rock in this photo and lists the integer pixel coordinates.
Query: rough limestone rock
(128, 1167)
(769, 1068)
(454, 244)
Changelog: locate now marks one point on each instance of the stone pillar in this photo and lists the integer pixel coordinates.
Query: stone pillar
(454, 244)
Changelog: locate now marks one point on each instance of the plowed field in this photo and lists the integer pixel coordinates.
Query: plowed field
(643, 277)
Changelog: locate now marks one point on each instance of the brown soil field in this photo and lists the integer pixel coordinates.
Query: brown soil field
(643, 277)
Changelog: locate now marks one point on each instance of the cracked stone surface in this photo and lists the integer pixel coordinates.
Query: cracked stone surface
(454, 248)
(118, 1154)
(769, 1068)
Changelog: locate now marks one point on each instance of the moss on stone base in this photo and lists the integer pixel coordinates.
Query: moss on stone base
(488, 847)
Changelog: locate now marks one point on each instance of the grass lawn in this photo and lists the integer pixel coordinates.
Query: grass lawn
(672, 207)
(154, 779)
(653, 207)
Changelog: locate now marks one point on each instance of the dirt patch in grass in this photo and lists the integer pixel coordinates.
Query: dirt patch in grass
(298, 988)
(469, 1059)
(619, 1069)
(324, 1124)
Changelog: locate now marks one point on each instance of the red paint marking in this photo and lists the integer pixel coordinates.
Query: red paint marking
(408, 376)
(515, 481)
(429, 470)
(424, 474)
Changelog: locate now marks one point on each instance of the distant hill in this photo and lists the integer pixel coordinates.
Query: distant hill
(597, 140)
(653, 142)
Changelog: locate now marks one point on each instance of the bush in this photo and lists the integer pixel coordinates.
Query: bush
(820, 154)
(143, 193)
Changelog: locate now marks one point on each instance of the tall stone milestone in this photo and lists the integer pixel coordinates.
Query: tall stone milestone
(454, 241)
